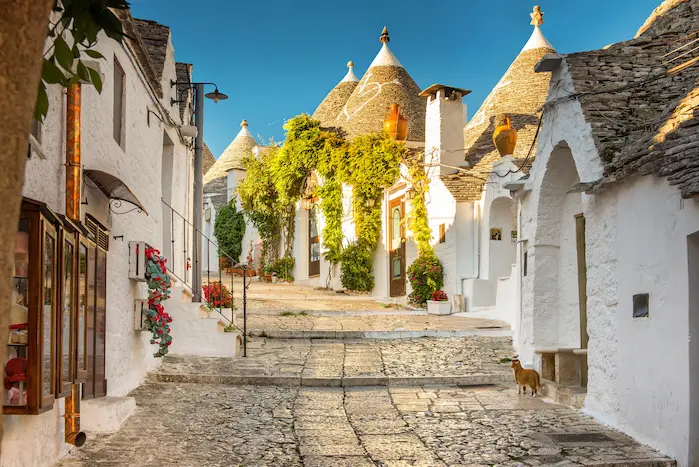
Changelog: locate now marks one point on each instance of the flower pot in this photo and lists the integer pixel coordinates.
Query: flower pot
(439, 308)
(274, 279)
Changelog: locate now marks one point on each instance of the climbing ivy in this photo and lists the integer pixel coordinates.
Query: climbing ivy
(276, 182)
(419, 221)
(258, 196)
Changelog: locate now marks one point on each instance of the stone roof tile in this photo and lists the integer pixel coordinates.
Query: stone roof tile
(155, 37)
(643, 114)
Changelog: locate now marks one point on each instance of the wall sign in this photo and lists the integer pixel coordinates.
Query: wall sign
(496, 233)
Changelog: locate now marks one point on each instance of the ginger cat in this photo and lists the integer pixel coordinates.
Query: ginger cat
(525, 378)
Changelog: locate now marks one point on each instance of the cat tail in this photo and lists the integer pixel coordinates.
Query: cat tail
(538, 381)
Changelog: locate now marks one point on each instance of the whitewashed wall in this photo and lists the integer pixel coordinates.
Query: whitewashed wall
(636, 242)
(139, 165)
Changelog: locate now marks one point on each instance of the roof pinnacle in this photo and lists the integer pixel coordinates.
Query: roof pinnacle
(385, 39)
(244, 123)
(537, 17)
(350, 65)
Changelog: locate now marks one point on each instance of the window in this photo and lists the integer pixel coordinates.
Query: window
(442, 233)
(59, 290)
(36, 130)
(119, 103)
(95, 384)
(35, 138)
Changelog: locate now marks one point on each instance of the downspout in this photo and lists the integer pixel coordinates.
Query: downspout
(73, 435)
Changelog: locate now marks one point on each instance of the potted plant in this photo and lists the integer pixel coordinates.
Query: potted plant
(439, 303)
(274, 278)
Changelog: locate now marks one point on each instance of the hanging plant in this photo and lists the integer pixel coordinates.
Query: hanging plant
(159, 283)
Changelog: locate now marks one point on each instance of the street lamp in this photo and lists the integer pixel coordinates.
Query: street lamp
(198, 175)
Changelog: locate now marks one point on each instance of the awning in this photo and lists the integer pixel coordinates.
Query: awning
(113, 187)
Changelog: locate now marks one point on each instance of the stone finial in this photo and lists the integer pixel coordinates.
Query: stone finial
(350, 65)
(385, 39)
(537, 17)
(244, 123)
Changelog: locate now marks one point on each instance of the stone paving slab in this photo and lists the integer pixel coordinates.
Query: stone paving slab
(184, 424)
(300, 326)
(303, 362)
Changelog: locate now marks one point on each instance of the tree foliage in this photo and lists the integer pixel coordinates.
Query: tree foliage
(229, 229)
(73, 32)
(258, 196)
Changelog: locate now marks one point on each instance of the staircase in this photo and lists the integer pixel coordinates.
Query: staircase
(197, 330)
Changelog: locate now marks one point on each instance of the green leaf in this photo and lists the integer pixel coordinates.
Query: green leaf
(52, 74)
(82, 72)
(63, 53)
(94, 54)
(76, 51)
(96, 79)
(41, 107)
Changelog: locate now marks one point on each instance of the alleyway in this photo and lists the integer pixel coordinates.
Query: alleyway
(406, 402)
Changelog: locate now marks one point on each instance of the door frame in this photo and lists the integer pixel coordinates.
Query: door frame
(313, 266)
(396, 288)
(582, 292)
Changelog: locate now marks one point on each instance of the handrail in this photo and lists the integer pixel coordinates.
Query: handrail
(233, 262)
(207, 303)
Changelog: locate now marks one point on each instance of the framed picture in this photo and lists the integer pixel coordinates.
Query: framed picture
(496, 233)
(513, 236)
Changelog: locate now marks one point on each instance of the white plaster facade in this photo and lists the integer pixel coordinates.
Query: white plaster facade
(640, 237)
(151, 149)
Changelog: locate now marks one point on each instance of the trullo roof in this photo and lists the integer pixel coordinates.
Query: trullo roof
(519, 93)
(232, 158)
(385, 82)
(328, 110)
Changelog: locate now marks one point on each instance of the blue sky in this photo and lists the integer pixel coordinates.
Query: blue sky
(279, 58)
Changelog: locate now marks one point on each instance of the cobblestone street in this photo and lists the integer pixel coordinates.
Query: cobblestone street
(258, 411)
(189, 424)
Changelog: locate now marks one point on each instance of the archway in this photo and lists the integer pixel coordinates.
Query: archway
(559, 272)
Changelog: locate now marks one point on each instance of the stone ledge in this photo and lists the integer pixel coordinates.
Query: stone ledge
(356, 381)
(106, 414)
(383, 335)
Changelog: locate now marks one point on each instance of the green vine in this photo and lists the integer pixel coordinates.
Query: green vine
(419, 223)
(258, 196)
(276, 182)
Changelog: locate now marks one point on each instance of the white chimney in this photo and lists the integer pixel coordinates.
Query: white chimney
(444, 128)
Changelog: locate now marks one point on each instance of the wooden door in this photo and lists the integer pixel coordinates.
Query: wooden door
(582, 293)
(313, 241)
(396, 247)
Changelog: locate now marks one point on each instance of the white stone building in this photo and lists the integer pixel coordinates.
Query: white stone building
(466, 198)
(133, 157)
(609, 252)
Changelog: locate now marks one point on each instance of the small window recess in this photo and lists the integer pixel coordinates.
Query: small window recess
(641, 305)
(442, 233)
(35, 141)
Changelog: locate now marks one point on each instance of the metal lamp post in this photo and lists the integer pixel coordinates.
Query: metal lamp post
(198, 176)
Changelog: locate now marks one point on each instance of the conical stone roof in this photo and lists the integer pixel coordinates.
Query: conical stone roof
(232, 158)
(328, 110)
(386, 82)
(519, 93)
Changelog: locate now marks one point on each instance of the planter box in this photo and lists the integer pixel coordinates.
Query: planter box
(238, 272)
(439, 308)
(137, 261)
(139, 314)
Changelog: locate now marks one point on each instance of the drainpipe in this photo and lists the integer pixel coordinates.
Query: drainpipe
(476, 250)
(73, 435)
(73, 165)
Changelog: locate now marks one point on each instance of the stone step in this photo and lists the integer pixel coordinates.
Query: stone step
(357, 381)
(572, 396)
(388, 334)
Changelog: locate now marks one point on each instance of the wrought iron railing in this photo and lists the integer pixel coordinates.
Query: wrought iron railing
(191, 238)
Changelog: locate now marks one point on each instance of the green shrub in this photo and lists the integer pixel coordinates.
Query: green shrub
(281, 267)
(357, 268)
(426, 275)
(229, 230)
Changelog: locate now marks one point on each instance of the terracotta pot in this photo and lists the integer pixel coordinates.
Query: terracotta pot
(396, 124)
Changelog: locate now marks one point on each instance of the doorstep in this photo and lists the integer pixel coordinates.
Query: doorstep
(571, 396)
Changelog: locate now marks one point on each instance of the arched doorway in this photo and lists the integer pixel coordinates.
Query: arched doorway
(313, 233)
(560, 279)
